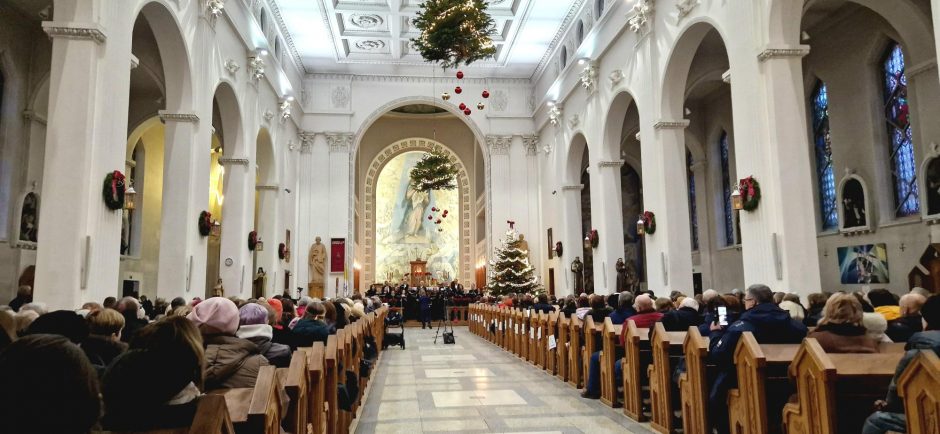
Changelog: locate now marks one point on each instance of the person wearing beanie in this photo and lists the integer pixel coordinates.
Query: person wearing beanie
(231, 362)
(63, 323)
(311, 328)
(253, 326)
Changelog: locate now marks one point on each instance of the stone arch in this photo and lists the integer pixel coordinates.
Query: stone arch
(174, 53)
(369, 193)
(679, 63)
(574, 162)
(864, 224)
(616, 112)
(230, 118)
(265, 158)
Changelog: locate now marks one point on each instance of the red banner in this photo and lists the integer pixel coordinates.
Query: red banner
(337, 255)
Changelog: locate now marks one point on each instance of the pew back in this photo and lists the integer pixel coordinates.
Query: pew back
(638, 355)
(693, 384)
(919, 386)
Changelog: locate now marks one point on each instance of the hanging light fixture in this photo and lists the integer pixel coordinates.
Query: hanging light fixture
(641, 226)
(259, 246)
(737, 202)
(216, 228)
(130, 198)
(587, 241)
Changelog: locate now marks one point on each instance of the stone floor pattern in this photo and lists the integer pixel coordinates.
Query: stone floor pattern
(475, 387)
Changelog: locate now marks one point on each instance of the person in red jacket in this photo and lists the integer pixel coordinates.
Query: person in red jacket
(645, 317)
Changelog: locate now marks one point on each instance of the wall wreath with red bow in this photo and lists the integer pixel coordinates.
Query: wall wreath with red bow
(252, 240)
(594, 238)
(113, 190)
(281, 251)
(649, 222)
(205, 223)
(750, 193)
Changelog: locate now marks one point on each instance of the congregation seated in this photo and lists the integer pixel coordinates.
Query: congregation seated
(253, 326)
(901, 329)
(769, 325)
(817, 301)
(890, 417)
(599, 309)
(685, 316)
(231, 362)
(570, 306)
(646, 315)
(840, 330)
(663, 305)
(623, 310)
(103, 343)
(884, 303)
(542, 305)
(584, 306)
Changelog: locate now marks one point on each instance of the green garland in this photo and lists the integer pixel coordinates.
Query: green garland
(113, 190)
(750, 193)
(434, 172)
(454, 32)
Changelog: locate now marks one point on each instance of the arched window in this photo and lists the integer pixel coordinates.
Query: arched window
(693, 208)
(580, 32)
(598, 8)
(900, 133)
(564, 57)
(825, 178)
(262, 19)
(725, 155)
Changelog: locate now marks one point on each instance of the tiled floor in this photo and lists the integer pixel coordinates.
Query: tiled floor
(475, 387)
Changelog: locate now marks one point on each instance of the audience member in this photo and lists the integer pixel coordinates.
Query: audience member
(840, 330)
(542, 306)
(231, 362)
(794, 309)
(35, 306)
(103, 343)
(885, 303)
(901, 329)
(24, 320)
(817, 302)
(876, 326)
(109, 302)
(48, 387)
(63, 323)
(24, 295)
(599, 309)
(624, 309)
(253, 326)
(663, 305)
(890, 417)
(645, 317)
(584, 306)
(681, 319)
(570, 307)
(311, 328)
(128, 307)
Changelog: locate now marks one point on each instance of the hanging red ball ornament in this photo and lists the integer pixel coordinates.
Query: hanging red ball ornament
(458, 90)
(438, 221)
(486, 94)
(462, 106)
(467, 112)
(430, 217)
(434, 209)
(460, 75)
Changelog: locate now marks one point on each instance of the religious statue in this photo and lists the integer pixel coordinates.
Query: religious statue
(218, 290)
(621, 275)
(317, 264)
(577, 268)
(524, 246)
(631, 279)
(258, 283)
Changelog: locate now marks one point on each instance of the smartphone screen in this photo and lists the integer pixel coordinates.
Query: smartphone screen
(722, 315)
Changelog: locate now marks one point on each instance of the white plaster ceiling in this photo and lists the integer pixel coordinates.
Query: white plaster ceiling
(372, 36)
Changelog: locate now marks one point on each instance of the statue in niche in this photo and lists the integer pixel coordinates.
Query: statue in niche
(29, 218)
(317, 264)
(631, 279)
(258, 283)
(853, 204)
(933, 186)
(577, 269)
(524, 245)
(621, 275)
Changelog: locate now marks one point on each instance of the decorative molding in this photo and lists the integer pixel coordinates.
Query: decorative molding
(231, 66)
(82, 31)
(499, 145)
(685, 7)
(31, 116)
(554, 114)
(288, 38)
(339, 96)
(641, 15)
(531, 145)
(267, 188)
(24, 245)
(306, 142)
(420, 79)
(615, 77)
(177, 117)
(612, 164)
(576, 187)
(214, 10)
(920, 68)
(574, 121)
(671, 125)
(500, 100)
(233, 161)
(562, 30)
(285, 108)
(339, 142)
(267, 115)
(588, 77)
(255, 66)
(782, 52)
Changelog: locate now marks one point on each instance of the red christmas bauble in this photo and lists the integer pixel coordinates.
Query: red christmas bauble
(434, 209)
(430, 218)
(458, 90)
(467, 112)
(438, 221)
(460, 75)
(486, 94)
(462, 106)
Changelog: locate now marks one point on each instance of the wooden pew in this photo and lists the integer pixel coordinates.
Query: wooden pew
(330, 381)
(296, 385)
(551, 355)
(256, 410)
(535, 336)
(666, 349)
(591, 339)
(835, 392)
(610, 347)
(694, 383)
(506, 324)
(316, 387)
(919, 386)
(561, 348)
(575, 327)
(212, 416)
(638, 354)
(522, 346)
(541, 341)
(755, 407)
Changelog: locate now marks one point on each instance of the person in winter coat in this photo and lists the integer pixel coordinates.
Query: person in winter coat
(253, 326)
(311, 328)
(624, 309)
(910, 322)
(231, 362)
(768, 323)
(890, 417)
(841, 330)
(681, 319)
(103, 343)
(817, 302)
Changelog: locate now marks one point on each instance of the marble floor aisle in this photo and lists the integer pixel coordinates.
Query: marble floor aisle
(475, 387)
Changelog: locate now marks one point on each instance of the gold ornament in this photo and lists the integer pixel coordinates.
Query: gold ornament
(480, 106)
(445, 96)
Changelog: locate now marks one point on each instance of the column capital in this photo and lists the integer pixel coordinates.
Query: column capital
(614, 164)
(166, 116)
(782, 51)
(339, 142)
(306, 141)
(665, 124)
(70, 30)
(499, 145)
(576, 187)
(531, 144)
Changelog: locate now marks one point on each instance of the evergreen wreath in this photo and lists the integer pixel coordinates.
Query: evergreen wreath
(113, 190)
(649, 222)
(281, 251)
(205, 223)
(252, 240)
(434, 172)
(454, 32)
(750, 193)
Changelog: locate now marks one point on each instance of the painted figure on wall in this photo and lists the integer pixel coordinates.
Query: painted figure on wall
(414, 204)
(853, 204)
(29, 218)
(317, 265)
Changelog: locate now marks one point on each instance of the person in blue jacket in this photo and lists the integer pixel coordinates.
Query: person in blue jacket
(768, 323)
(425, 302)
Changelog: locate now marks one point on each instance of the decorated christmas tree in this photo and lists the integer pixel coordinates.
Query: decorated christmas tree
(510, 268)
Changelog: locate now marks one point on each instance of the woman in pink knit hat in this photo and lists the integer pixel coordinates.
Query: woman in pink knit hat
(231, 362)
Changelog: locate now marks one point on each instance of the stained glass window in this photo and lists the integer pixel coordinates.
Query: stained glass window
(724, 152)
(897, 116)
(828, 207)
(693, 208)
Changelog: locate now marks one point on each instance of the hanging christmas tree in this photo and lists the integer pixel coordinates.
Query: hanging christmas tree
(454, 32)
(510, 269)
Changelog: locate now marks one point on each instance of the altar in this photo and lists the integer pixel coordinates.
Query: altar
(419, 273)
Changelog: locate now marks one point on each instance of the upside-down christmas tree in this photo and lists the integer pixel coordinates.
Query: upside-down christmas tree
(510, 268)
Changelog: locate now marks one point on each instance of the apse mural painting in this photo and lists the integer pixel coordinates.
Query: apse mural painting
(864, 264)
(404, 231)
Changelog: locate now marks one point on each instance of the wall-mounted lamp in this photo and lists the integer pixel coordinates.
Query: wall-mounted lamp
(130, 197)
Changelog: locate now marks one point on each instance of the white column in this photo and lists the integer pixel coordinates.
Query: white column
(704, 235)
(500, 185)
(78, 254)
(237, 221)
(268, 231)
(307, 202)
(935, 10)
(535, 238)
(607, 218)
(669, 250)
(571, 238)
(340, 203)
(178, 225)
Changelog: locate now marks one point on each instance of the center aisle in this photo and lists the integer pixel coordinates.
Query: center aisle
(475, 387)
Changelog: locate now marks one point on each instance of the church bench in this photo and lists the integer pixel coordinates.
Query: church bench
(591, 343)
(212, 416)
(562, 346)
(574, 351)
(256, 410)
(294, 379)
(551, 353)
(522, 327)
(835, 392)
(919, 386)
(316, 387)
(763, 386)
(535, 337)
(610, 350)
(330, 376)
(694, 384)
(505, 324)
(666, 349)
(637, 354)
